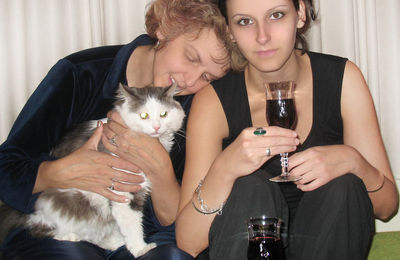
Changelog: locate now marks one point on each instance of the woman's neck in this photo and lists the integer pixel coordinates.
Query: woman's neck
(139, 70)
(291, 70)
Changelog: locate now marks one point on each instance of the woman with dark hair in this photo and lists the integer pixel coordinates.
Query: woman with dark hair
(337, 152)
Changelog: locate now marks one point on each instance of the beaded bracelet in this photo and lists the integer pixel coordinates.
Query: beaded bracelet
(380, 187)
(204, 209)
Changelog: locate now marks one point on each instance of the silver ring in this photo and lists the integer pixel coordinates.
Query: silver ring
(268, 151)
(112, 140)
(111, 187)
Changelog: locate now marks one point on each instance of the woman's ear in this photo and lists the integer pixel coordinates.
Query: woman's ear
(159, 35)
(302, 14)
(231, 36)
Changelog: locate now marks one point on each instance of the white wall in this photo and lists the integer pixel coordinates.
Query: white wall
(34, 34)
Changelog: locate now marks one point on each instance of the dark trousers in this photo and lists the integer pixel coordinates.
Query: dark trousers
(21, 245)
(333, 222)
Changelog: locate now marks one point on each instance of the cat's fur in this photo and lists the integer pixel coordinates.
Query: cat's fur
(72, 214)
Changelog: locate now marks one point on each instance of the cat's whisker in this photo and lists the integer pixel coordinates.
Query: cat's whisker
(181, 133)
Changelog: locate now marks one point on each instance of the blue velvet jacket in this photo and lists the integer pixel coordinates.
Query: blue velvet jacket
(78, 88)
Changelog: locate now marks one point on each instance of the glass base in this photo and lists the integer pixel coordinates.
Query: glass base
(284, 178)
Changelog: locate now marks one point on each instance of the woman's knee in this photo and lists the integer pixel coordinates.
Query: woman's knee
(346, 184)
(344, 191)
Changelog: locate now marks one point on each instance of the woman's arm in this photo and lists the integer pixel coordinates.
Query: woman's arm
(361, 132)
(33, 134)
(362, 154)
(205, 131)
(205, 159)
(62, 100)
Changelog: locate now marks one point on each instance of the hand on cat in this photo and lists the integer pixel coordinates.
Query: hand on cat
(90, 170)
(319, 165)
(144, 151)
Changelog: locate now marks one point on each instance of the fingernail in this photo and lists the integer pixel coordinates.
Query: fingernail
(99, 123)
(126, 200)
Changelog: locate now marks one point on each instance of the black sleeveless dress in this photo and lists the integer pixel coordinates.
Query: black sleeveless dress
(333, 222)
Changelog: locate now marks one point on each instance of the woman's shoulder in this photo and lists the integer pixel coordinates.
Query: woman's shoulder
(324, 57)
(231, 83)
(107, 52)
(230, 77)
(327, 67)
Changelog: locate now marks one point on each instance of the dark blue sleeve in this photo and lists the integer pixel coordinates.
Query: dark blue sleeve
(153, 230)
(56, 104)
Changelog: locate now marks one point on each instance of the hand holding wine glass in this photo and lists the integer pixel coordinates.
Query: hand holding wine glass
(281, 111)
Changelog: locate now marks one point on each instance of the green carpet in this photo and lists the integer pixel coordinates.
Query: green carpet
(385, 246)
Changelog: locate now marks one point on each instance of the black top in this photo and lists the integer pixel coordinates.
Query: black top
(327, 128)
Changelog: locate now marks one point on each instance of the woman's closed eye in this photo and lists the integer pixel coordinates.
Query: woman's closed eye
(192, 58)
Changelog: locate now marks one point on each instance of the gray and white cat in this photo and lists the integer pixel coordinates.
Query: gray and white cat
(73, 214)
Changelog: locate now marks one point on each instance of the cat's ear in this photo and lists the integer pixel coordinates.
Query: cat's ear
(172, 90)
(124, 88)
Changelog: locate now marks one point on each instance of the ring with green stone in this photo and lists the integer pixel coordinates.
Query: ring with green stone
(259, 131)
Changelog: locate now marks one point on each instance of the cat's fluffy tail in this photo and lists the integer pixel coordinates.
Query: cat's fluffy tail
(9, 219)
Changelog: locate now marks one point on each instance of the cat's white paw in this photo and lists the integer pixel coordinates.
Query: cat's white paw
(136, 252)
(68, 237)
(113, 241)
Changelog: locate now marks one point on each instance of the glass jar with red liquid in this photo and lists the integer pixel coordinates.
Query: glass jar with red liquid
(264, 239)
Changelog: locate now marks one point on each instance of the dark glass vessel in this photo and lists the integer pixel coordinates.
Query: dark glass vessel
(281, 112)
(265, 248)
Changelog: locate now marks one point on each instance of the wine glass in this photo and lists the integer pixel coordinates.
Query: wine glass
(281, 111)
(264, 238)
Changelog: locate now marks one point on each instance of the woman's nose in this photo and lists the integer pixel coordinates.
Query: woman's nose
(193, 77)
(263, 33)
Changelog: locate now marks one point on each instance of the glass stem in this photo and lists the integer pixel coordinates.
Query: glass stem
(285, 163)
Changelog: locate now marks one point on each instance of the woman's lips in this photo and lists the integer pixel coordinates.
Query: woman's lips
(266, 53)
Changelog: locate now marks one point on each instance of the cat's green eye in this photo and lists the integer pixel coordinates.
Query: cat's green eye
(164, 114)
(144, 115)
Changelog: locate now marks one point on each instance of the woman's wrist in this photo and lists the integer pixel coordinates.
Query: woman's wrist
(373, 180)
(210, 195)
(41, 184)
(378, 188)
(201, 206)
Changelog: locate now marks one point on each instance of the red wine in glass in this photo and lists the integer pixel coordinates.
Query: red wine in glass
(264, 239)
(281, 111)
(265, 248)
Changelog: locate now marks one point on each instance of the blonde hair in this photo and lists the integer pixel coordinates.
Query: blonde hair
(173, 18)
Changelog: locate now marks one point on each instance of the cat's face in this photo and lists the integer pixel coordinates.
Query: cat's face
(151, 110)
